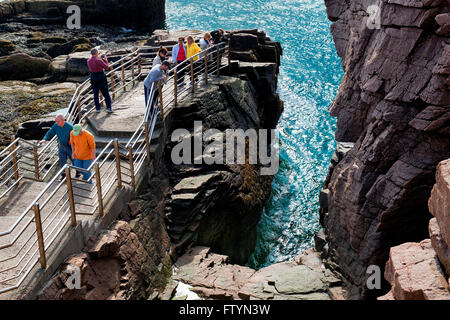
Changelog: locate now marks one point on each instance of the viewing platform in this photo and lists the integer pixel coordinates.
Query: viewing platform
(44, 220)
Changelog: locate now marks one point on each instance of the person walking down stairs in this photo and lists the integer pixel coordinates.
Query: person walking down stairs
(83, 149)
(99, 82)
(62, 129)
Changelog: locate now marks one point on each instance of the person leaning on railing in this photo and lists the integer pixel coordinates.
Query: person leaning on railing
(61, 128)
(218, 36)
(192, 50)
(178, 57)
(157, 73)
(160, 56)
(83, 149)
(98, 79)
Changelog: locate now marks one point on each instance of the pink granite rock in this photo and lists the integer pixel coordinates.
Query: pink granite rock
(394, 104)
(439, 245)
(414, 272)
(439, 202)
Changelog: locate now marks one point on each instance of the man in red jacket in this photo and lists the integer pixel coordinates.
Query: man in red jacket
(98, 79)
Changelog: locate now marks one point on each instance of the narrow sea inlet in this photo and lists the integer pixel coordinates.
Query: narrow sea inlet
(309, 78)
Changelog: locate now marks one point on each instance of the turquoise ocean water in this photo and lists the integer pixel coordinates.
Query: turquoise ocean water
(309, 78)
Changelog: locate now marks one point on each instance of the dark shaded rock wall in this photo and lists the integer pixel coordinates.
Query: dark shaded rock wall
(137, 13)
(394, 104)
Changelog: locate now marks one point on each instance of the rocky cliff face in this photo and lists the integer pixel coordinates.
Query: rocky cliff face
(216, 203)
(394, 105)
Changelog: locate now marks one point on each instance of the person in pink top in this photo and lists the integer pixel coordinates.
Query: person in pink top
(99, 82)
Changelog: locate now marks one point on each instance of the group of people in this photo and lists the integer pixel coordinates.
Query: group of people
(77, 144)
(181, 52)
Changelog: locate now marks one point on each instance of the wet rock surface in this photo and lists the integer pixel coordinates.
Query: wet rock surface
(393, 103)
(212, 276)
(21, 101)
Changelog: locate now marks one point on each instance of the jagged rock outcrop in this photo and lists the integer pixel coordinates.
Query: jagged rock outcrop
(213, 277)
(219, 204)
(394, 104)
(414, 272)
(143, 13)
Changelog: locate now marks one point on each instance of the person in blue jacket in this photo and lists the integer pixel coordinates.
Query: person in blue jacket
(179, 54)
(61, 128)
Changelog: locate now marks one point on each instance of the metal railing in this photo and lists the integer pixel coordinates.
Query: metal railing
(27, 241)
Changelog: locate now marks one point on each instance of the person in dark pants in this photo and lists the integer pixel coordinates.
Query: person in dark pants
(62, 130)
(179, 52)
(98, 79)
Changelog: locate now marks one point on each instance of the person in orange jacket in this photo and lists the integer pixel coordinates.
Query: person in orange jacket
(83, 149)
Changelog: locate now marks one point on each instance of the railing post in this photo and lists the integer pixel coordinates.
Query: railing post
(218, 61)
(206, 69)
(130, 157)
(161, 106)
(73, 217)
(123, 77)
(40, 236)
(102, 104)
(113, 85)
(229, 55)
(132, 69)
(147, 142)
(192, 75)
(139, 62)
(175, 77)
(14, 160)
(99, 189)
(79, 107)
(117, 156)
(36, 162)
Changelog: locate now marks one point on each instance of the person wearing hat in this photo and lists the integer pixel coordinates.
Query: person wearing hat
(83, 149)
(157, 73)
(61, 128)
